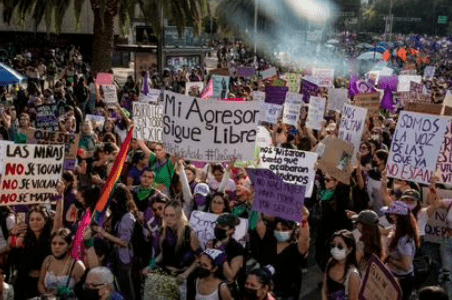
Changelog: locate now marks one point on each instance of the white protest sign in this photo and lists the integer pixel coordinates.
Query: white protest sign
(326, 77)
(31, 173)
(436, 227)
(97, 120)
(110, 95)
(148, 122)
(336, 99)
(194, 89)
(292, 107)
(386, 71)
(220, 86)
(405, 82)
(209, 130)
(415, 146)
(292, 166)
(352, 126)
(2, 156)
(259, 96)
(429, 72)
(269, 73)
(153, 95)
(204, 225)
(316, 112)
(270, 112)
(444, 163)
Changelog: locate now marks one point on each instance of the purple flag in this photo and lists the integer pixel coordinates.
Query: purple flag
(387, 102)
(309, 89)
(353, 89)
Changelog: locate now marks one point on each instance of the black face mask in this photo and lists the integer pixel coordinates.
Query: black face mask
(202, 273)
(220, 234)
(90, 294)
(250, 294)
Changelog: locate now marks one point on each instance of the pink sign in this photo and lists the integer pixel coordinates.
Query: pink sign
(104, 78)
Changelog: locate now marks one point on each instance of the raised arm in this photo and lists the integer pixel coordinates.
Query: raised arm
(303, 236)
(58, 222)
(144, 148)
(226, 175)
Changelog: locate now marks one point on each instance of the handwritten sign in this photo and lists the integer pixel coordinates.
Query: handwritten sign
(97, 121)
(152, 96)
(405, 80)
(379, 283)
(148, 122)
(275, 95)
(46, 118)
(444, 163)
(436, 227)
(31, 173)
(294, 82)
(369, 101)
(275, 197)
(269, 73)
(309, 89)
(415, 146)
(292, 166)
(194, 89)
(2, 155)
(209, 130)
(429, 72)
(326, 77)
(336, 99)
(352, 126)
(110, 95)
(104, 78)
(292, 106)
(204, 225)
(316, 112)
(270, 113)
(220, 86)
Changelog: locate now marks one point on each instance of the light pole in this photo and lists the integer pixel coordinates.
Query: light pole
(389, 22)
(255, 31)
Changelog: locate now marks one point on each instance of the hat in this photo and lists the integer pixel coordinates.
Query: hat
(227, 219)
(217, 256)
(367, 216)
(396, 208)
(202, 189)
(411, 194)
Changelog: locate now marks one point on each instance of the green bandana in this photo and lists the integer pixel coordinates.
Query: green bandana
(326, 195)
(144, 193)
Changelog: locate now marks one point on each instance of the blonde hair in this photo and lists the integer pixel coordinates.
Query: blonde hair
(181, 223)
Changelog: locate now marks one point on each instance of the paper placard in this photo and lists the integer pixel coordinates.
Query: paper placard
(270, 113)
(275, 197)
(404, 82)
(203, 225)
(429, 72)
(152, 96)
(31, 173)
(110, 95)
(316, 112)
(220, 86)
(104, 78)
(292, 107)
(436, 227)
(293, 166)
(294, 82)
(369, 101)
(268, 73)
(97, 120)
(194, 89)
(246, 72)
(46, 118)
(352, 126)
(416, 146)
(148, 122)
(336, 156)
(326, 77)
(336, 99)
(209, 130)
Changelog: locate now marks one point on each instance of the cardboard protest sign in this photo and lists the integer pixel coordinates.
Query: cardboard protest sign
(194, 89)
(429, 72)
(309, 88)
(292, 166)
(275, 197)
(110, 95)
(379, 283)
(426, 108)
(436, 227)
(220, 86)
(404, 82)
(96, 120)
(369, 101)
(447, 104)
(415, 146)
(31, 173)
(336, 99)
(246, 72)
(104, 78)
(335, 158)
(221, 71)
(292, 106)
(270, 113)
(316, 112)
(209, 130)
(444, 163)
(326, 77)
(153, 95)
(352, 126)
(148, 122)
(268, 73)
(275, 95)
(204, 224)
(69, 140)
(46, 118)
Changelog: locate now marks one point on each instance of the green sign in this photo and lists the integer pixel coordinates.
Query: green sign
(442, 19)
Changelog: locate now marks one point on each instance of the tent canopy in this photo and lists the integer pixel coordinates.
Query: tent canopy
(9, 76)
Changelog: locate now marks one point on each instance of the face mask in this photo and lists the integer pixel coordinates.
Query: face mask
(412, 206)
(282, 236)
(250, 294)
(338, 254)
(202, 273)
(90, 294)
(374, 164)
(220, 234)
(200, 200)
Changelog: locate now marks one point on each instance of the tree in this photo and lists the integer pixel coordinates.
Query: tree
(182, 12)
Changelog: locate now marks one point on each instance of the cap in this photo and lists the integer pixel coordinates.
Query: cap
(202, 189)
(396, 208)
(411, 193)
(367, 216)
(227, 219)
(217, 256)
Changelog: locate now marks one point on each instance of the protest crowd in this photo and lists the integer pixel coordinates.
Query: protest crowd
(224, 183)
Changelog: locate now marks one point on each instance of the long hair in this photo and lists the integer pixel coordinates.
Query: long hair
(405, 226)
(181, 223)
(30, 240)
(371, 237)
(121, 203)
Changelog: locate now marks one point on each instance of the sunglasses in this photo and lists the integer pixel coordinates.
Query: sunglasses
(338, 246)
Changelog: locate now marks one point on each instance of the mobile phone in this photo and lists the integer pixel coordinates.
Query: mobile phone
(20, 217)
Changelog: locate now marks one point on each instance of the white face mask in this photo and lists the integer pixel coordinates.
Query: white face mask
(338, 254)
(282, 236)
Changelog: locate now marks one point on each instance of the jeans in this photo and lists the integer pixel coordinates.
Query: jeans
(432, 251)
(407, 285)
(446, 258)
(124, 276)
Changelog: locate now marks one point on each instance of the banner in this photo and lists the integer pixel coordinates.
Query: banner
(292, 166)
(220, 86)
(194, 89)
(110, 95)
(209, 130)
(292, 107)
(203, 225)
(46, 118)
(416, 146)
(369, 101)
(275, 197)
(316, 111)
(309, 89)
(379, 283)
(31, 173)
(336, 99)
(326, 77)
(405, 80)
(148, 122)
(444, 163)
(352, 126)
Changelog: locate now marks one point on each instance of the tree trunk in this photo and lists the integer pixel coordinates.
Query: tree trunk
(103, 42)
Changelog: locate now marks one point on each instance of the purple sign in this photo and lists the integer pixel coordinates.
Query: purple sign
(275, 94)
(246, 72)
(309, 89)
(390, 81)
(275, 197)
